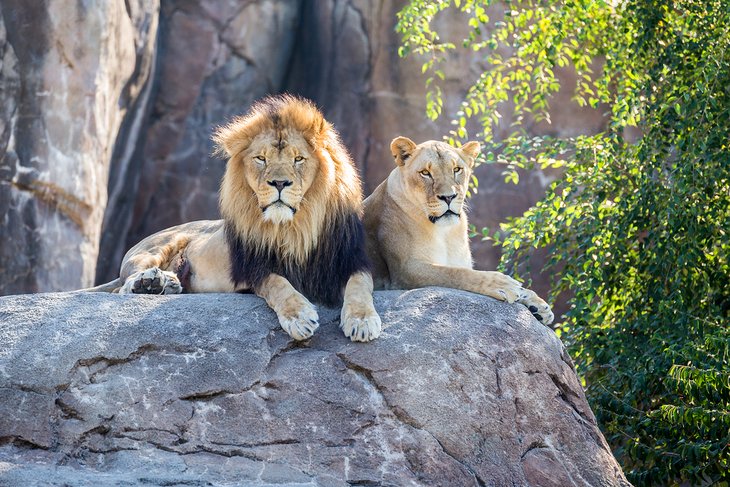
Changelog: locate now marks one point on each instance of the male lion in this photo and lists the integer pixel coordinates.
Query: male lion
(291, 203)
(417, 232)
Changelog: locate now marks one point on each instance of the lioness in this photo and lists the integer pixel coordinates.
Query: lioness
(417, 231)
(291, 203)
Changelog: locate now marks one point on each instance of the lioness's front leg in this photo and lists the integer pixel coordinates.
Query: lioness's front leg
(296, 314)
(489, 283)
(358, 318)
(537, 306)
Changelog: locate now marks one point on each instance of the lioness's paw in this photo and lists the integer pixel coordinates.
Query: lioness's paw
(360, 325)
(537, 306)
(298, 318)
(500, 286)
(152, 281)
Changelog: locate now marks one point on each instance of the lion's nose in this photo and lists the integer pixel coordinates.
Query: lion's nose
(280, 184)
(447, 198)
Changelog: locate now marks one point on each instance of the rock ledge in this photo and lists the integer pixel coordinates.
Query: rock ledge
(460, 389)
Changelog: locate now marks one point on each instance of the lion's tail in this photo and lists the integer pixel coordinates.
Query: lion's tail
(109, 287)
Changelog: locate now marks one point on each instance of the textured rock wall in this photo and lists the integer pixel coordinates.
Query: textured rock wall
(460, 389)
(164, 90)
(68, 72)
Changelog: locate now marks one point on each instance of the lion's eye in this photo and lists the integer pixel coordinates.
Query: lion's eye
(457, 170)
(260, 159)
(425, 173)
(298, 159)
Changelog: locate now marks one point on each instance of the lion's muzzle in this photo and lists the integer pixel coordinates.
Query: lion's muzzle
(278, 212)
(279, 184)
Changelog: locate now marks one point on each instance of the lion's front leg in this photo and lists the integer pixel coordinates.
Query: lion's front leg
(297, 316)
(152, 281)
(358, 318)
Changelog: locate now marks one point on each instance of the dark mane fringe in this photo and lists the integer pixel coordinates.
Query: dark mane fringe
(339, 254)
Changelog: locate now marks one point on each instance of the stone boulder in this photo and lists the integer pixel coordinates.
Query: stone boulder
(460, 389)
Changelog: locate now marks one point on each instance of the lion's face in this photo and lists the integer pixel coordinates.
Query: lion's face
(288, 178)
(290, 198)
(436, 176)
(280, 168)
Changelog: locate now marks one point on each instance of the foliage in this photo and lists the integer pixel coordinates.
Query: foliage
(637, 227)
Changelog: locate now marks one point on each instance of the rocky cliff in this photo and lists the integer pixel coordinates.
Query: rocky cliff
(68, 76)
(460, 389)
(107, 114)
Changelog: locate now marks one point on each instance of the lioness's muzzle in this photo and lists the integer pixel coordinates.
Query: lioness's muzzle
(434, 219)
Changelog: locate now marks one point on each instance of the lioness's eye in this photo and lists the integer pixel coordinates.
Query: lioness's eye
(298, 159)
(260, 159)
(425, 173)
(457, 170)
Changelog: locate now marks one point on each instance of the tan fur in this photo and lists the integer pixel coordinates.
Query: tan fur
(322, 183)
(413, 241)
(357, 311)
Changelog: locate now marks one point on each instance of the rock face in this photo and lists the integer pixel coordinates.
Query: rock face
(67, 74)
(460, 389)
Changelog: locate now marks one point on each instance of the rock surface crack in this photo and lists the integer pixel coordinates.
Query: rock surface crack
(400, 414)
(566, 394)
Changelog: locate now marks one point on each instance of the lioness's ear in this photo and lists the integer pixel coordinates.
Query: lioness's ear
(402, 148)
(471, 150)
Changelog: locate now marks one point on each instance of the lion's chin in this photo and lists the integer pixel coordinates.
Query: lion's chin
(278, 213)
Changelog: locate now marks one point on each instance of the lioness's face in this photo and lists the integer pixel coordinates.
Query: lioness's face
(436, 176)
(280, 167)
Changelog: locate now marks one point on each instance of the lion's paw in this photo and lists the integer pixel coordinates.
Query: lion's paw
(360, 325)
(537, 306)
(152, 281)
(299, 318)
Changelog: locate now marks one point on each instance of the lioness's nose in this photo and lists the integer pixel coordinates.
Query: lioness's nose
(280, 184)
(446, 197)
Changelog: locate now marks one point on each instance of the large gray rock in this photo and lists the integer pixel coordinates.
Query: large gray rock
(99, 389)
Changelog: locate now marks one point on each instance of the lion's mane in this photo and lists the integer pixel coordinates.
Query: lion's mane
(323, 245)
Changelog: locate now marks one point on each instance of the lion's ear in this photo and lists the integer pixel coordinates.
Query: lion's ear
(317, 131)
(402, 148)
(471, 151)
(231, 139)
